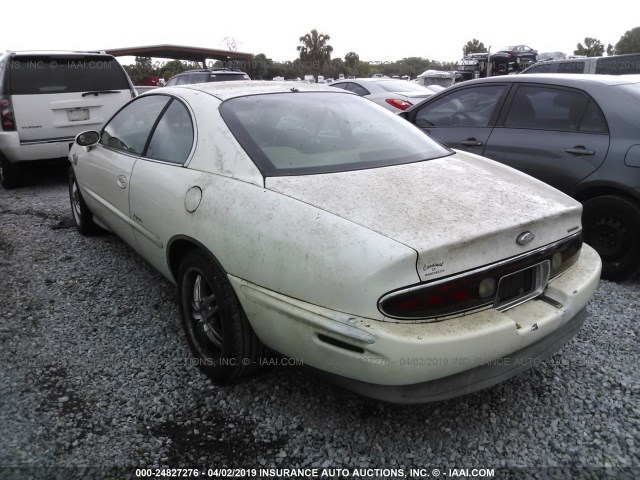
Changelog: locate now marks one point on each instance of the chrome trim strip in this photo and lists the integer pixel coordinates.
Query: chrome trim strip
(48, 140)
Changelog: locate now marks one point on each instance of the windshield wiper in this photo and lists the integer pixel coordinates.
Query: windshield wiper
(98, 92)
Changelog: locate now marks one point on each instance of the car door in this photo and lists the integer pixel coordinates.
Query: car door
(163, 193)
(463, 118)
(104, 172)
(555, 134)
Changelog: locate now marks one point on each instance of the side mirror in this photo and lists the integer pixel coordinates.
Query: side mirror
(88, 139)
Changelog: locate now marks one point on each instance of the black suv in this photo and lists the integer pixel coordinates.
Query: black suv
(205, 75)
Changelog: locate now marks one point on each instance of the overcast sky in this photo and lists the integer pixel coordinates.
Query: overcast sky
(386, 31)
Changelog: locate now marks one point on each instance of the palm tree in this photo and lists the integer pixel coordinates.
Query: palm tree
(315, 50)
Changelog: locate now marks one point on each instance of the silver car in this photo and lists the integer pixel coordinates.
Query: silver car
(391, 93)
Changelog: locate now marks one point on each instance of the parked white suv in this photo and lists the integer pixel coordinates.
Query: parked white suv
(47, 98)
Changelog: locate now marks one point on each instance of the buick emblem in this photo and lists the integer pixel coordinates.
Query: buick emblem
(524, 238)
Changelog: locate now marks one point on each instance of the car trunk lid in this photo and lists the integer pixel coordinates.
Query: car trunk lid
(60, 116)
(457, 212)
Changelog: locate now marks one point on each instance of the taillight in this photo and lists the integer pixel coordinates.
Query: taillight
(6, 114)
(399, 104)
(482, 287)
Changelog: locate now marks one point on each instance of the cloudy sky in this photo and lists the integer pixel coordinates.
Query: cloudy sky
(436, 30)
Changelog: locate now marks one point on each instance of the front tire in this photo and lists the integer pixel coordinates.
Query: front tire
(82, 216)
(216, 327)
(612, 227)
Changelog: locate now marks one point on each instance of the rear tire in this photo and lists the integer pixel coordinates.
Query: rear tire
(10, 174)
(82, 216)
(612, 227)
(214, 323)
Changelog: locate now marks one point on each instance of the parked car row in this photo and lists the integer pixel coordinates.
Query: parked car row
(306, 220)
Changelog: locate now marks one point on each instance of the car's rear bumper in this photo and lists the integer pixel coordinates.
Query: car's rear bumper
(14, 151)
(468, 381)
(374, 355)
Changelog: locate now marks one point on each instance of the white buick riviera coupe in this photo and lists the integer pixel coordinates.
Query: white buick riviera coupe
(313, 222)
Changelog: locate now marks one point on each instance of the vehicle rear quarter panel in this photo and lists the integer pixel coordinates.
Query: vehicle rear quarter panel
(217, 150)
(292, 248)
(614, 176)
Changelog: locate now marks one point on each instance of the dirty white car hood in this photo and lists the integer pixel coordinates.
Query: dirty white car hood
(457, 212)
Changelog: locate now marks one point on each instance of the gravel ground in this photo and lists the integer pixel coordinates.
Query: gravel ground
(95, 372)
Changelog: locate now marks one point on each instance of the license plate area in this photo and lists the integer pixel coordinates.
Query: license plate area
(78, 114)
(523, 285)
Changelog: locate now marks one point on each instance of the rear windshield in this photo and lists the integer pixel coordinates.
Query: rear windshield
(46, 74)
(321, 132)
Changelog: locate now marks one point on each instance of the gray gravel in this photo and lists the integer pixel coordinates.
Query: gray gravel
(95, 372)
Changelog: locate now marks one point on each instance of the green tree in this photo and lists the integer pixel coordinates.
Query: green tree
(337, 67)
(260, 66)
(611, 50)
(473, 46)
(141, 69)
(352, 59)
(629, 42)
(315, 50)
(592, 48)
(174, 67)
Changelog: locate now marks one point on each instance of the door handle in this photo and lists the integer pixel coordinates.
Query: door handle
(471, 142)
(122, 181)
(579, 150)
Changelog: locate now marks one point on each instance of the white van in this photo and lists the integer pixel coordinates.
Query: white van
(47, 98)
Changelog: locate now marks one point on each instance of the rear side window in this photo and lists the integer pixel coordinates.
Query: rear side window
(466, 107)
(547, 108)
(45, 74)
(173, 136)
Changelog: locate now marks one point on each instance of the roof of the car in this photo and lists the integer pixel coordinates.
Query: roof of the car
(241, 88)
(562, 78)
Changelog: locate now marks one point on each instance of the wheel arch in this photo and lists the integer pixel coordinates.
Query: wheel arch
(595, 191)
(179, 246)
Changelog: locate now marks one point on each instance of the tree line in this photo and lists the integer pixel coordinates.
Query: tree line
(591, 47)
(314, 57)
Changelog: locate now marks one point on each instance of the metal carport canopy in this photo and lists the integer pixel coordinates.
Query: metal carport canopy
(180, 52)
